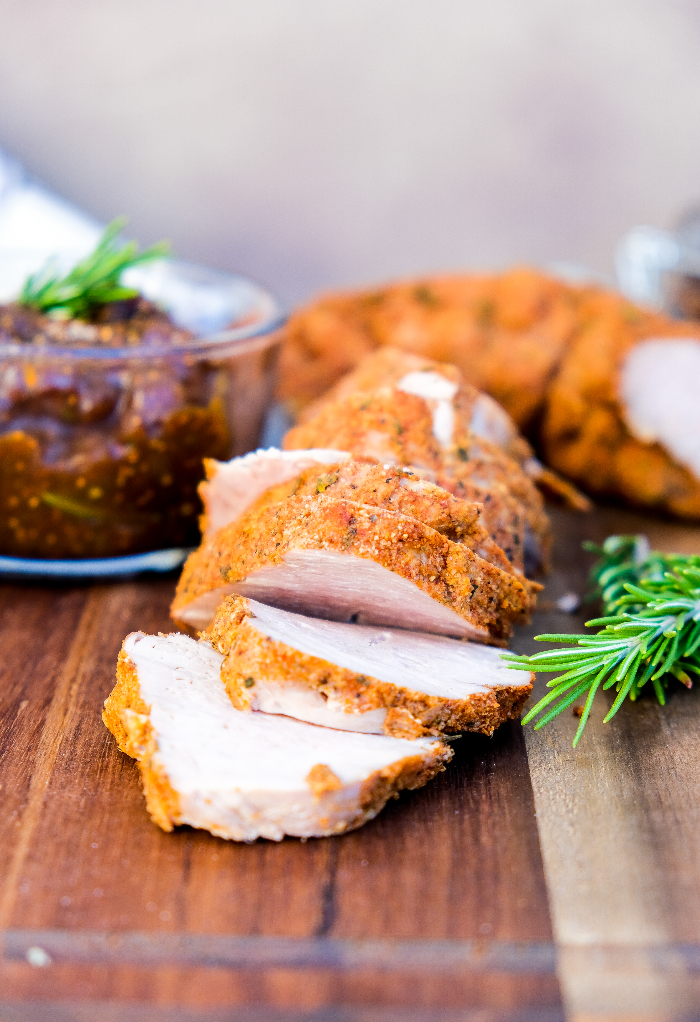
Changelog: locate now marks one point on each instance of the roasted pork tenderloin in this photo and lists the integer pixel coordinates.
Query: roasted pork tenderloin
(359, 678)
(507, 333)
(347, 561)
(429, 433)
(247, 775)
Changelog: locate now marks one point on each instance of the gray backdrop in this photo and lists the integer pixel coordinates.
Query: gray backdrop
(314, 143)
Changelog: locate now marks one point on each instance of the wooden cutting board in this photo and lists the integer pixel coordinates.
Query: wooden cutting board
(528, 882)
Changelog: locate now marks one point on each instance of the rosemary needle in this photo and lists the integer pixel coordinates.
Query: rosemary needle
(92, 282)
(649, 634)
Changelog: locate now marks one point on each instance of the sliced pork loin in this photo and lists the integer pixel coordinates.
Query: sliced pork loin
(358, 678)
(231, 487)
(269, 476)
(445, 387)
(397, 489)
(395, 426)
(346, 561)
(246, 775)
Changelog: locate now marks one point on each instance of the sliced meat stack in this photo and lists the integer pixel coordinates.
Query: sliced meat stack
(334, 593)
(347, 561)
(357, 678)
(247, 775)
(424, 421)
(387, 486)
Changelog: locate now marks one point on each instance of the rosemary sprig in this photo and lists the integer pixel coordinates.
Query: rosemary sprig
(92, 282)
(649, 634)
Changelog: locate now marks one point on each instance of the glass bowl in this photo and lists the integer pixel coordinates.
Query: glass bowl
(101, 448)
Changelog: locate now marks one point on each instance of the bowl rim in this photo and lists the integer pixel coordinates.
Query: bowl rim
(268, 317)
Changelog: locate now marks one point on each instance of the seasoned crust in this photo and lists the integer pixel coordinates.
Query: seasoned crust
(127, 717)
(387, 366)
(391, 426)
(405, 774)
(409, 773)
(388, 426)
(449, 573)
(479, 413)
(584, 433)
(515, 513)
(251, 655)
(397, 489)
(124, 715)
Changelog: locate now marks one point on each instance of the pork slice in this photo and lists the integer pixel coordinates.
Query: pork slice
(358, 678)
(346, 561)
(396, 426)
(438, 383)
(231, 487)
(658, 389)
(246, 775)
(403, 490)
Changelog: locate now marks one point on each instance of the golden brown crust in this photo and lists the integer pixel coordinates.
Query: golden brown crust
(383, 367)
(126, 694)
(409, 773)
(397, 489)
(250, 655)
(390, 426)
(505, 332)
(127, 717)
(448, 572)
(321, 779)
(584, 433)
(388, 365)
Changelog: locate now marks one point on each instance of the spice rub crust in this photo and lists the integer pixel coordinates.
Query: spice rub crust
(397, 489)
(395, 427)
(126, 715)
(490, 599)
(250, 655)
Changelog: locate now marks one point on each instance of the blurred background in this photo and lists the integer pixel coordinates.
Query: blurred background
(314, 144)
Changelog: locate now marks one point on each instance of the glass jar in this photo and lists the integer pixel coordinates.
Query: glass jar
(101, 448)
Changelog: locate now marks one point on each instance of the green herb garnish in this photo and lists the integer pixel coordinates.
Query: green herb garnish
(92, 282)
(650, 633)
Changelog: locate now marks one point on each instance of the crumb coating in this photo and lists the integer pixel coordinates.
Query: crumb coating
(448, 572)
(250, 655)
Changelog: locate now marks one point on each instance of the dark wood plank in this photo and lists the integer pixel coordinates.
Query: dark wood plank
(619, 819)
(37, 630)
(92, 877)
(461, 856)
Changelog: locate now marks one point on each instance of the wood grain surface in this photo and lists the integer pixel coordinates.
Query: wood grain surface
(619, 823)
(528, 882)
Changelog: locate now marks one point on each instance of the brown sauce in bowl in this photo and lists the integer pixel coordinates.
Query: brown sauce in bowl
(102, 458)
